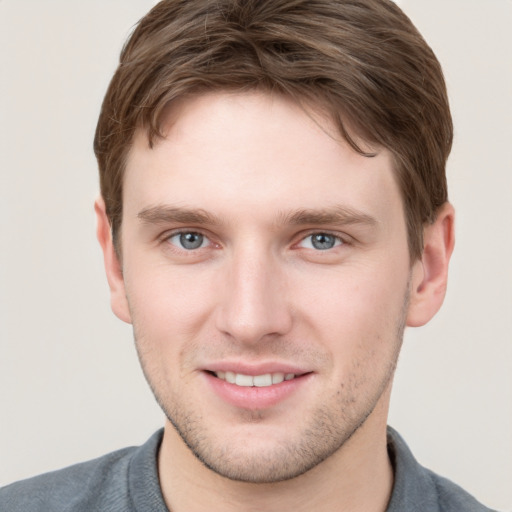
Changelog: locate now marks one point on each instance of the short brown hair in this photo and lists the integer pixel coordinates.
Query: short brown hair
(362, 61)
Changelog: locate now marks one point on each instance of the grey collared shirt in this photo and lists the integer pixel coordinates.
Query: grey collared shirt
(417, 489)
(127, 481)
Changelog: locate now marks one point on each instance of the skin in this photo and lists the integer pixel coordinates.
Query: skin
(255, 177)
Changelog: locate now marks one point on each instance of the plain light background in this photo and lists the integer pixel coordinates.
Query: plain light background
(70, 385)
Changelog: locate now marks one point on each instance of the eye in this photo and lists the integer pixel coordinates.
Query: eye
(189, 240)
(320, 241)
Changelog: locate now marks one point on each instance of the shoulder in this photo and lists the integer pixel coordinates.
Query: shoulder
(99, 484)
(71, 489)
(416, 486)
(452, 498)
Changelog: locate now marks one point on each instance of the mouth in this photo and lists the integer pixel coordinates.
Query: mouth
(256, 389)
(259, 381)
(257, 386)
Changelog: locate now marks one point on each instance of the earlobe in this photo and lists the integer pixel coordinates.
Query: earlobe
(113, 267)
(430, 274)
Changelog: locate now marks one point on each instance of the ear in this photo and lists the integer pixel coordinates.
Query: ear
(113, 268)
(430, 274)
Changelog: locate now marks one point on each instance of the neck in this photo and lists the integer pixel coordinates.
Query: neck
(358, 477)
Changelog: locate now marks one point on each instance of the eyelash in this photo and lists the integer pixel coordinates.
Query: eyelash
(170, 236)
(338, 240)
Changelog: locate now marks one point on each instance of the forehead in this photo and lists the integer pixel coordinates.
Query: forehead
(247, 151)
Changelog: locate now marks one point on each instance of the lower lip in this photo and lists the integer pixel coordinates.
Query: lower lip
(253, 397)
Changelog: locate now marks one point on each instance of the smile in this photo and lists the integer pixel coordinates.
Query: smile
(260, 381)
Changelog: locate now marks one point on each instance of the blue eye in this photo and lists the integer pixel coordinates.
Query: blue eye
(321, 241)
(189, 240)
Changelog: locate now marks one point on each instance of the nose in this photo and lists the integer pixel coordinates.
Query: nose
(253, 303)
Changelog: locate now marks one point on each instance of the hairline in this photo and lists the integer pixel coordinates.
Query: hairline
(316, 110)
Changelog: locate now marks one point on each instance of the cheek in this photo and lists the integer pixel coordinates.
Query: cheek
(168, 316)
(357, 307)
(169, 304)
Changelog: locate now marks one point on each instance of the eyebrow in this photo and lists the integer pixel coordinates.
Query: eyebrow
(169, 214)
(338, 215)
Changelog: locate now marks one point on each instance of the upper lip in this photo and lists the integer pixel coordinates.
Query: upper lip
(256, 368)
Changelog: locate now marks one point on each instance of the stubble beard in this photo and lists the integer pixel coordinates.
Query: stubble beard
(325, 433)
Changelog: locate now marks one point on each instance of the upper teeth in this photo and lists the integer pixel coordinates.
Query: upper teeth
(254, 380)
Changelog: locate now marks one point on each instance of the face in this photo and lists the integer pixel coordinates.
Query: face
(266, 272)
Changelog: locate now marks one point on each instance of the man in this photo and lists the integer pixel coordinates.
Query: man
(273, 213)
